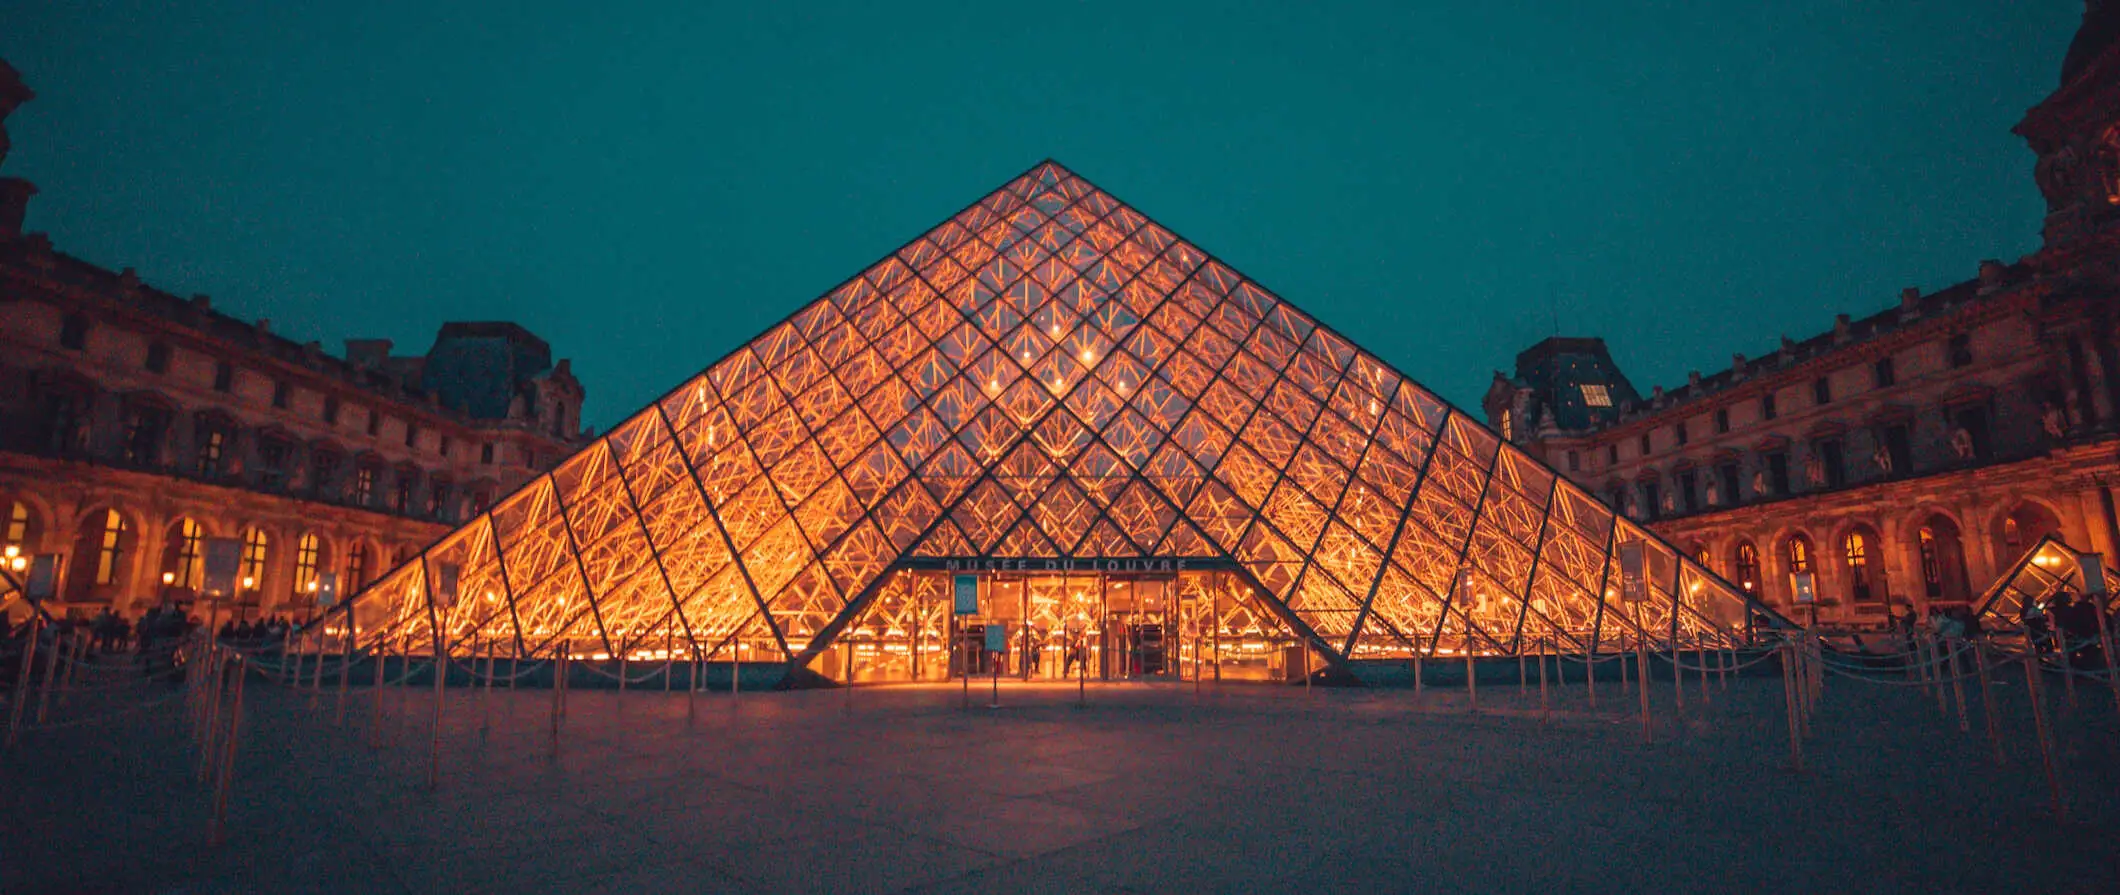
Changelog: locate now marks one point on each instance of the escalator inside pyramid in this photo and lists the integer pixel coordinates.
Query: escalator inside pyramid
(1049, 439)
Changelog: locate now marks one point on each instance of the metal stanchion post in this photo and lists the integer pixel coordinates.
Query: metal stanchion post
(485, 693)
(22, 675)
(1472, 683)
(559, 669)
(375, 713)
(2104, 602)
(1590, 668)
(227, 764)
(1623, 656)
(1957, 684)
(1545, 705)
(210, 727)
(2039, 728)
(1987, 701)
(1641, 685)
(1701, 652)
(51, 674)
(1418, 692)
(345, 672)
(1788, 693)
(441, 692)
(1678, 679)
(2068, 667)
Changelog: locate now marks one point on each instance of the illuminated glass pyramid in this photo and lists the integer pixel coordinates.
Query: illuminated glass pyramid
(1048, 374)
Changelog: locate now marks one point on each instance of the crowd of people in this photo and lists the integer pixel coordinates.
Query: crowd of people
(2069, 624)
(151, 638)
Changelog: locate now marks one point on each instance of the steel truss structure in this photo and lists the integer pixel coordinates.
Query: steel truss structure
(2050, 567)
(1048, 376)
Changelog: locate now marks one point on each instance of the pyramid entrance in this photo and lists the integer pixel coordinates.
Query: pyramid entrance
(1114, 620)
(1053, 393)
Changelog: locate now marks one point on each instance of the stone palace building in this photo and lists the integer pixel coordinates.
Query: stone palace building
(1907, 457)
(135, 425)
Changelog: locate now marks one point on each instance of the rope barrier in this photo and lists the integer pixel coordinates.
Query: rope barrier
(629, 681)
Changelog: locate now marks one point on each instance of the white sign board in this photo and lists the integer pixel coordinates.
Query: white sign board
(43, 583)
(967, 590)
(1804, 593)
(1633, 581)
(445, 581)
(997, 637)
(2093, 567)
(327, 589)
(224, 556)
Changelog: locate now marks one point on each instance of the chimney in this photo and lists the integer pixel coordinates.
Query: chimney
(1992, 273)
(1693, 379)
(1841, 333)
(14, 191)
(367, 352)
(1737, 366)
(14, 205)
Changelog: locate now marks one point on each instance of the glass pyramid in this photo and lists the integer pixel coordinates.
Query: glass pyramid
(1049, 376)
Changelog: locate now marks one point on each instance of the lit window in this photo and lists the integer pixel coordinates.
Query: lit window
(110, 549)
(1799, 555)
(1747, 567)
(1595, 395)
(307, 552)
(1508, 425)
(356, 568)
(1857, 551)
(254, 545)
(18, 526)
(183, 556)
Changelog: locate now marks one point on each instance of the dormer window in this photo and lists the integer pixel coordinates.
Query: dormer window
(1596, 395)
(73, 332)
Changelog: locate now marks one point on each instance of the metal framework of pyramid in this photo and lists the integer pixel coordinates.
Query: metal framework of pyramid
(1048, 374)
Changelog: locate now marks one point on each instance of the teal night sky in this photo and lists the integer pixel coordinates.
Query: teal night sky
(646, 186)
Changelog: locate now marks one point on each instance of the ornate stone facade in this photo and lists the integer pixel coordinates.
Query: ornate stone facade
(134, 425)
(1906, 458)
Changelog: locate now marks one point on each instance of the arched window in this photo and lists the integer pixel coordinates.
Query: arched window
(1856, 550)
(2022, 528)
(1508, 425)
(21, 531)
(356, 568)
(308, 555)
(110, 549)
(1942, 559)
(1747, 567)
(180, 554)
(255, 545)
(1798, 549)
(1931, 564)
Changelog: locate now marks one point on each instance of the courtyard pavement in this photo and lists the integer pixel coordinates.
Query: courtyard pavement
(1146, 789)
